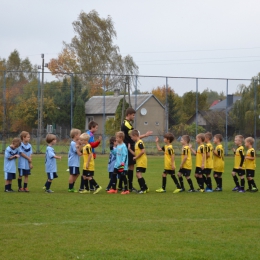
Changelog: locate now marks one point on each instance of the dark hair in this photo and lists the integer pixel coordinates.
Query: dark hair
(201, 136)
(92, 124)
(208, 135)
(129, 111)
(50, 138)
(186, 138)
(169, 136)
(112, 140)
(219, 137)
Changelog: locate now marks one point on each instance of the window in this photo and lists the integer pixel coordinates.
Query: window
(89, 119)
(109, 117)
(156, 123)
(145, 123)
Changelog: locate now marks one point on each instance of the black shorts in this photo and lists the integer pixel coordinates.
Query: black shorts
(207, 171)
(250, 173)
(240, 172)
(169, 171)
(88, 173)
(140, 169)
(185, 172)
(131, 161)
(23, 172)
(219, 174)
(198, 170)
(74, 170)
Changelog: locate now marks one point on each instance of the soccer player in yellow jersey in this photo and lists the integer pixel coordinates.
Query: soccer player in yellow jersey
(250, 164)
(88, 164)
(218, 161)
(239, 164)
(169, 163)
(200, 160)
(186, 163)
(209, 161)
(140, 158)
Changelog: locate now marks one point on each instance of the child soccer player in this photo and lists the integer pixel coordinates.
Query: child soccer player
(140, 158)
(186, 163)
(200, 160)
(218, 161)
(250, 164)
(111, 161)
(93, 128)
(239, 164)
(24, 161)
(209, 162)
(50, 162)
(169, 163)
(11, 153)
(121, 164)
(88, 164)
(74, 158)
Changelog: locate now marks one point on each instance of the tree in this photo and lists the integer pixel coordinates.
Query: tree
(120, 113)
(213, 95)
(79, 117)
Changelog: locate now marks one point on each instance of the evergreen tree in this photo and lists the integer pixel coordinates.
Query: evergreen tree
(79, 118)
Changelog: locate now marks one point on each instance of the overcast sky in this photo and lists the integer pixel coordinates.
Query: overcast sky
(186, 38)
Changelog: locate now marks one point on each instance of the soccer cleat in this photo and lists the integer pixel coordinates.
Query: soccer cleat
(26, 189)
(97, 190)
(218, 189)
(49, 191)
(161, 190)
(133, 190)
(241, 191)
(192, 190)
(112, 191)
(81, 189)
(84, 191)
(72, 190)
(20, 190)
(208, 190)
(142, 191)
(236, 188)
(201, 190)
(177, 191)
(248, 189)
(125, 192)
(9, 190)
(44, 187)
(254, 190)
(182, 190)
(198, 189)
(147, 190)
(92, 189)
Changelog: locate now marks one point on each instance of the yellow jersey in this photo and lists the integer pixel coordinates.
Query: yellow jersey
(142, 160)
(209, 160)
(188, 163)
(199, 155)
(239, 158)
(250, 164)
(168, 152)
(87, 151)
(218, 161)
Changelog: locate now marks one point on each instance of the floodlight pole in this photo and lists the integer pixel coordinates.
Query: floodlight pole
(104, 116)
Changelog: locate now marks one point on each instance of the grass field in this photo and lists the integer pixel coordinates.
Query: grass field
(64, 225)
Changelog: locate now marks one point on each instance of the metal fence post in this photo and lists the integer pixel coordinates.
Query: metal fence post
(166, 106)
(135, 100)
(104, 115)
(4, 113)
(71, 101)
(197, 89)
(226, 139)
(255, 83)
(39, 107)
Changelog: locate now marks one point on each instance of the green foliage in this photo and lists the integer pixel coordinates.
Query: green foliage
(110, 127)
(184, 129)
(79, 118)
(118, 114)
(213, 95)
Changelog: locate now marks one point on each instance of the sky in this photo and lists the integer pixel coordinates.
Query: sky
(174, 38)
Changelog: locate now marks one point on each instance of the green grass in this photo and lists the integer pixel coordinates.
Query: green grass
(66, 225)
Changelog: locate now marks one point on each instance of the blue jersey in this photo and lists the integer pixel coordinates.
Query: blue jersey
(10, 165)
(73, 157)
(121, 156)
(112, 159)
(91, 139)
(50, 161)
(27, 150)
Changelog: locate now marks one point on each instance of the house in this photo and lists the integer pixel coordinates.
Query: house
(150, 113)
(229, 102)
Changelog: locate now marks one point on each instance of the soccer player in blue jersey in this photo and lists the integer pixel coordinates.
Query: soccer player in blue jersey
(50, 162)
(74, 158)
(24, 161)
(11, 153)
(111, 161)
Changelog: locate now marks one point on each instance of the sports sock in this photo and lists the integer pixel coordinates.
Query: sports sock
(198, 181)
(190, 183)
(114, 181)
(143, 185)
(209, 183)
(70, 186)
(93, 183)
(124, 179)
(204, 179)
(19, 183)
(201, 183)
(253, 183)
(181, 182)
(91, 186)
(176, 181)
(164, 183)
(86, 184)
(236, 180)
(6, 186)
(220, 183)
(110, 182)
(242, 186)
(249, 184)
(139, 182)
(81, 183)
(24, 185)
(48, 185)
(130, 175)
(216, 179)
(120, 185)
(10, 186)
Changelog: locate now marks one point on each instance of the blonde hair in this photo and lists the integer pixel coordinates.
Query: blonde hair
(135, 133)
(23, 134)
(186, 138)
(120, 134)
(240, 137)
(250, 140)
(74, 132)
(84, 136)
(50, 138)
(16, 141)
(201, 136)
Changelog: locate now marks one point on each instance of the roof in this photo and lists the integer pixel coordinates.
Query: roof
(95, 104)
(222, 104)
(215, 103)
